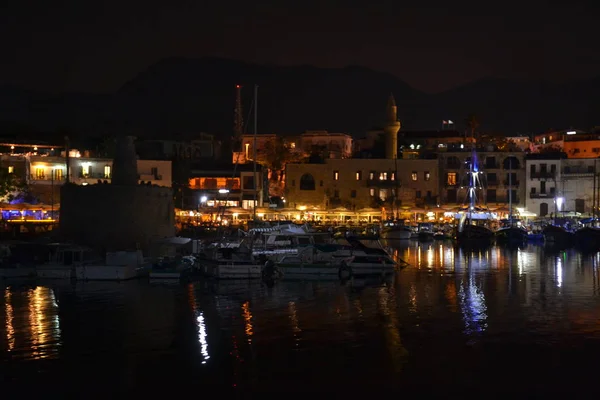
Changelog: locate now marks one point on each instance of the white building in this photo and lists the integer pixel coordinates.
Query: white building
(45, 170)
(577, 184)
(542, 176)
(560, 184)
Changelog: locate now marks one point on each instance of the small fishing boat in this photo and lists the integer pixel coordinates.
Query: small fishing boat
(425, 232)
(588, 237)
(167, 268)
(396, 231)
(558, 235)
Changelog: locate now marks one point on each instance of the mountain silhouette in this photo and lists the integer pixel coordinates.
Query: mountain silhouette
(186, 96)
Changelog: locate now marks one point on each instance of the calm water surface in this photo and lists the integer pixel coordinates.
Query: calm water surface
(523, 322)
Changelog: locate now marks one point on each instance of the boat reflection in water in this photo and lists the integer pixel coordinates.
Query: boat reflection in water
(451, 322)
(32, 327)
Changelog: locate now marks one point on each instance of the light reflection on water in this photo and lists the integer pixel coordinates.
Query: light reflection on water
(32, 326)
(419, 322)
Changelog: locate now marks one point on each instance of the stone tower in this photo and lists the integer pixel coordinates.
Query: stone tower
(125, 162)
(391, 128)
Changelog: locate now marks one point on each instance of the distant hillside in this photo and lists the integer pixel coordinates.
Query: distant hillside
(191, 95)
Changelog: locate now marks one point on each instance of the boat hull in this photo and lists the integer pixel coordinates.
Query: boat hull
(7, 273)
(396, 234)
(365, 269)
(426, 236)
(587, 238)
(556, 235)
(106, 272)
(55, 272)
(232, 270)
(474, 235)
(303, 270)
(509, 235)
(165, 275)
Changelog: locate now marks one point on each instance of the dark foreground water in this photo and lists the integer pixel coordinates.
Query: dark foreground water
(523, 323)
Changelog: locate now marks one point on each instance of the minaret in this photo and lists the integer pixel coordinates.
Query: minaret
(392, 126)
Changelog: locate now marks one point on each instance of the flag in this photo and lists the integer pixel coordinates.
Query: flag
(445, 122)
(450, 122)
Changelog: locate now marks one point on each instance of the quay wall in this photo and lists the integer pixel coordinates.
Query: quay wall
(116, 217)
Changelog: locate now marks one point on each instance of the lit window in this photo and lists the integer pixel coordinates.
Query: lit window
(451, 178)
(358, 175)
(11, 169)
(293, 145)
(85, 169)
(372, 175)
(107, 171)
(58, 174)
(383, 176)
(414, 175)
(336, 175)
(393, 176)
(39, 173)
(383, 194)
(427, 175)
(372, 192)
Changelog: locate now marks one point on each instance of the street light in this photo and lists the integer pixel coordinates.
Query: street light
(559, 203)
(203, 199)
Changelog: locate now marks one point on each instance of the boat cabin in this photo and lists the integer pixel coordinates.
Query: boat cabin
(72, 255)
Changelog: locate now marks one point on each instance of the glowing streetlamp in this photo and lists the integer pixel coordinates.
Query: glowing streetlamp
(559, 202)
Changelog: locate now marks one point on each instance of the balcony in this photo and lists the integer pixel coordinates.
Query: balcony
(97, 175)
(46, 180)
(575, 172)
(541, 195)
(382, 183)
(543, 175)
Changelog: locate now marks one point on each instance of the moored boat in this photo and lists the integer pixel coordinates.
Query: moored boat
(396, 232)
(425, 232)
(174, 269)
(511, 235)
(558, 235)
(587, 238)
(229, 263)
(472, 229)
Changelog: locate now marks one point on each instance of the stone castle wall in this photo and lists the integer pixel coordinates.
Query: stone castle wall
(116, 217)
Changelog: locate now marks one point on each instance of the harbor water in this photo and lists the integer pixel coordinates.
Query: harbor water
(523, 322)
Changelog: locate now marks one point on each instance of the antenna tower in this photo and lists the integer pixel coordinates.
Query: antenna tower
(238, 121)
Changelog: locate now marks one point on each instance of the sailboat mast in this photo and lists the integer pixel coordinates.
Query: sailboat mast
(594, 193)
(254, 148)
(510, 217)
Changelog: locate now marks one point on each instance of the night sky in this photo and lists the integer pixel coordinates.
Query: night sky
(65, 45)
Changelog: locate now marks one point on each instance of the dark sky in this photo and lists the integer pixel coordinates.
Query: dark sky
(98, 45)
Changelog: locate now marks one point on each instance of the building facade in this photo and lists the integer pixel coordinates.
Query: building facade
(362, 183)
(543, 176)
(227, 185)
(503, 175)
(201, 146)
(576, 185)
(559, 184)
(46, 174)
